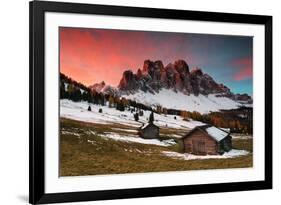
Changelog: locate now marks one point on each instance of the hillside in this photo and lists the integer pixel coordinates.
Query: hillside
(78, 111)
(99, 149)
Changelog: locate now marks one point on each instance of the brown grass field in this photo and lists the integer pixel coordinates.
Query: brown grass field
(84, 152)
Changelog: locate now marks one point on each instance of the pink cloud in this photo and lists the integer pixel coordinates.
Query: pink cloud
(245, 68)
(93, 55)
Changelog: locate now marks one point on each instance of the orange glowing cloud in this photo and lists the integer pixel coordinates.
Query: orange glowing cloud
(94, 55)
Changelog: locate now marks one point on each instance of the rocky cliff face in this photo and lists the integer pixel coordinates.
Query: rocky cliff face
(176, 76)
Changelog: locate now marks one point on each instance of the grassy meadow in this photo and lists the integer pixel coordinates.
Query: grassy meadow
(84, 151)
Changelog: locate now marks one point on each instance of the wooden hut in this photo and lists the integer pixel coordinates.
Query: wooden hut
(149, 130)
(207, 139)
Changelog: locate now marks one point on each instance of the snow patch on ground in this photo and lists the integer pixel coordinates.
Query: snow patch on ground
(70, 133)
(124, 130)
(241, 136)
(177, 136)
(91, 141)
(186, 156)
(117, 137)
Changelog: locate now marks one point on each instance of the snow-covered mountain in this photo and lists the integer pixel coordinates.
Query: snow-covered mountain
(175, 76)
(98, 87)
(103, 88)
(175, 86)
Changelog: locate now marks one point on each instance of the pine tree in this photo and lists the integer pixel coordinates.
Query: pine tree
(125, 102)
(165, 111)
(151, 117)
(184, 114)
(136, 116)
(120, 106)
(85, 96)
(159, 109)
(89, 108)
(95, 98)
(62, 90)
(101, 99)
(111, 101)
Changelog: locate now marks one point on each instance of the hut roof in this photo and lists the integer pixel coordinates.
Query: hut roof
(146, 125)
(214, 132)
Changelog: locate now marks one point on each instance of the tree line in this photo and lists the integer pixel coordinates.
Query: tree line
(75, 91)
(225, 119)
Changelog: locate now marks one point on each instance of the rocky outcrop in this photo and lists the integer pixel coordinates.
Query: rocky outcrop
(98, 87)
(177, 76)
(128, 81)
(181, 66)
(243, 97)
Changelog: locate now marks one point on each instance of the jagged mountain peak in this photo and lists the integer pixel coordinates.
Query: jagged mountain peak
(177, 76)
(196, 71)
(98, 87)
(181, 66)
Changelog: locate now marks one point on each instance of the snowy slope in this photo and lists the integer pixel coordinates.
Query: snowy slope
(78, 111)
(177, 100)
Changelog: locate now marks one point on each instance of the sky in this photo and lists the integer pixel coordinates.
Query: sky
(91, 55)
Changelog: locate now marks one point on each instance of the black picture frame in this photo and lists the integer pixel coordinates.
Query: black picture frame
(37, 101)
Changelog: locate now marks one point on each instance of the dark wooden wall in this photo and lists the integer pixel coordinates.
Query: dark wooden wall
(225, 144)
(198, 137)
(150, 132)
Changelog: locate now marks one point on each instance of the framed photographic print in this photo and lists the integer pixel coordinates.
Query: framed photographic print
(140, 102)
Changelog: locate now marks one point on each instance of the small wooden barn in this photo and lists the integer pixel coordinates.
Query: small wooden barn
(149, 131)
(207, 139)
